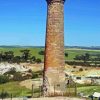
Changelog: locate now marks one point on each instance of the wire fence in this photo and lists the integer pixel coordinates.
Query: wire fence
(71, 90)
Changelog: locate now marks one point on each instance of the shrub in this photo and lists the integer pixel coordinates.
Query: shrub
(4, 94)
(17, 77)
(33, 58)
(41, 52)
(12, 71)
(4, 79)
(74, 66)
(81, 69)
(38, 60)
(66, 54)
(20, 77)
(35, 75)
(17, 59)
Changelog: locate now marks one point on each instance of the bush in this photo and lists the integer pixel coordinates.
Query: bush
(4, 79)
(38, 60)
(41, 52)
(74, 66)
(12, 71)
(81, 69)
(18, 76)
(17, 59)
(33, 58)
(66, 54)
(35, 75)
(4, 94)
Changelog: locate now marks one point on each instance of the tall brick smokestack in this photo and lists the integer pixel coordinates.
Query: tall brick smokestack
(54, 48)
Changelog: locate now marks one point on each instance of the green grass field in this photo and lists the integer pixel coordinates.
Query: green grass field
(85, 90)
(34, 52)
(15, 89)
(18, 91)
(89, 90)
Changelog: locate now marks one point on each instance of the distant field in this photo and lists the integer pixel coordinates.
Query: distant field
(34, 52)
(73, 52)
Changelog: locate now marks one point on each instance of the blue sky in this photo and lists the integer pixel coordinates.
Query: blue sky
(23, 22)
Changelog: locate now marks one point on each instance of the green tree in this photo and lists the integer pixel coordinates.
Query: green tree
(41, 52)
(17, 59)
(33, 58)
(66, 54)
(25, 54)
(78, 57)
(8, 56)
(85, 57)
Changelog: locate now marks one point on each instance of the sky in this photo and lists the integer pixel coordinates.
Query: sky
(23, 22)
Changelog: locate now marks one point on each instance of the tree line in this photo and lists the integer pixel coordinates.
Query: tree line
(86, 59)
(26, 56)
(8, 56)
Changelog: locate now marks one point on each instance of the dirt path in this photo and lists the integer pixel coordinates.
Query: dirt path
(43, 98)
(28, 83)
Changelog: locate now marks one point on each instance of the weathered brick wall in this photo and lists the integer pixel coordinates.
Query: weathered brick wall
(55, 35)
(54, 50)
(53, 1)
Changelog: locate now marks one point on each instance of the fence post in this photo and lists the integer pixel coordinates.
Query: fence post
(11, 96)
(75, 89)
(69, 88)
(54, 89)
(2, 93)
(32, 90)
(40, 91)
